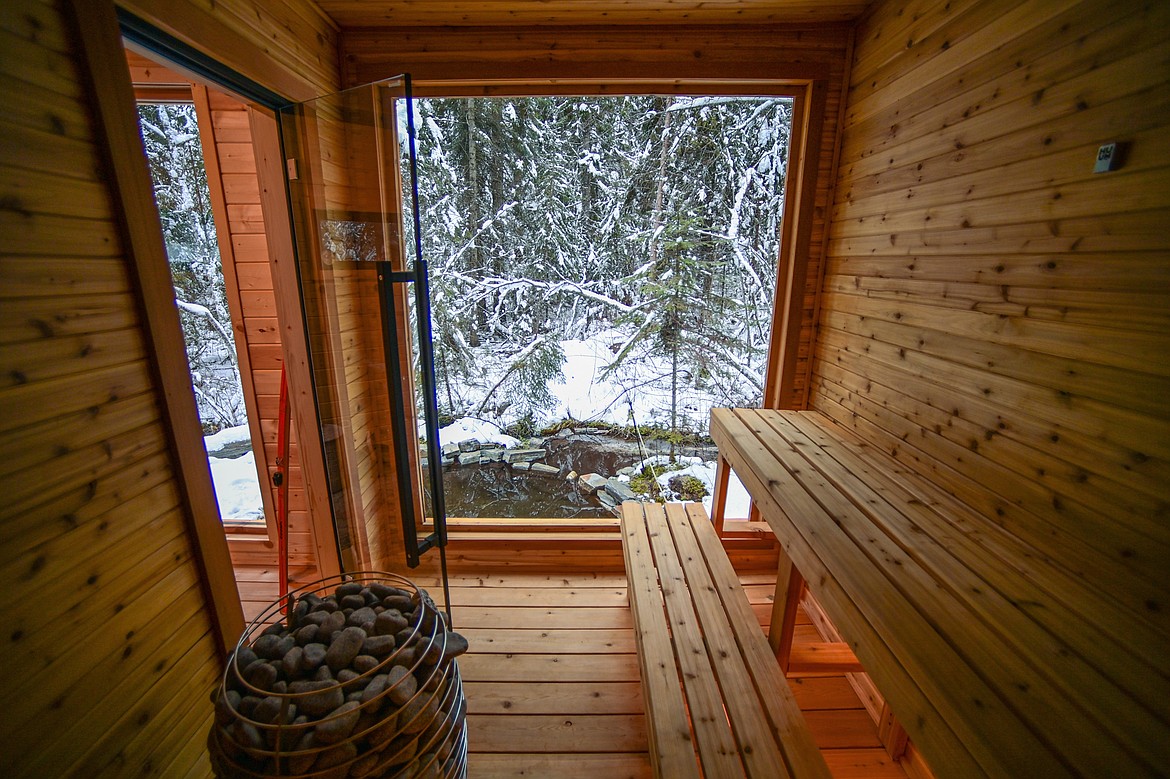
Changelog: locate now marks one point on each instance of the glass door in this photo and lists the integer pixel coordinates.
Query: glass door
(364, 289)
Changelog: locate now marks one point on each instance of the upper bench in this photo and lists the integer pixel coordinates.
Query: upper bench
(997, 660)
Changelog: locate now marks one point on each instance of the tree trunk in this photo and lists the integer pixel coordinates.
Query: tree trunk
(656, 218)
(673, 398)
(474, 262)
(447, 380)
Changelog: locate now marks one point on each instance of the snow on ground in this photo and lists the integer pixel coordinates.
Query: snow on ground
(237, 487)
(738, 499)
(664, 459)
(471, 429)
(229, 435)
(622, 397)
(636, 392)
(581, 393)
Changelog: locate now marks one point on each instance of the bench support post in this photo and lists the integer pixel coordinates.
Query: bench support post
(789, 589)
(719, 495)
(891, 733)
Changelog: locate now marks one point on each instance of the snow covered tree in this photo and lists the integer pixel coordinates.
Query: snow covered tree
(170, 133)
(546, 219)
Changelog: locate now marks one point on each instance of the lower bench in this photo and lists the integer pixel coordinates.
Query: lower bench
(716, 701)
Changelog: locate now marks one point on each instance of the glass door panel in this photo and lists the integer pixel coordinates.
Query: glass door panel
(364, 290)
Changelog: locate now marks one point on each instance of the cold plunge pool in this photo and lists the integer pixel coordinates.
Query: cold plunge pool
(496, 490)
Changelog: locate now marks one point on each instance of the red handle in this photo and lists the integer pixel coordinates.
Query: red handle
(280, 479)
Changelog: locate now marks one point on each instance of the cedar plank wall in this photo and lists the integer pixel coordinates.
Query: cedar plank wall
(258, 335)
(107, 627)
(993, 313)
(289, 46)
(600, 53)
(235, 194)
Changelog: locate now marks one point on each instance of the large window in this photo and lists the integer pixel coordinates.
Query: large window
(601, 267)
(170, 132)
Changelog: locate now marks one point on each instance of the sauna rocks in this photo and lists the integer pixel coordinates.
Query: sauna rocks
(351, 683)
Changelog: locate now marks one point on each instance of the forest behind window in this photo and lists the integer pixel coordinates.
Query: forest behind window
(608, 259)
(174, 152)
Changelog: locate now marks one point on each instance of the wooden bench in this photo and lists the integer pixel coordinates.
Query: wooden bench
(717, 704)
(997, 656)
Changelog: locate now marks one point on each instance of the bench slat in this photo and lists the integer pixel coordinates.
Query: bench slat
(743, 714)
(753, 739)
(717, 747)
(761, 474)
(671, 748)
(1025, 574)
(950, 611)
(799, 751)
(1042, 636)
(860, 554)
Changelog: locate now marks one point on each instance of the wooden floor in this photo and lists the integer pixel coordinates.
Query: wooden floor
(552, 679)
(259, 586)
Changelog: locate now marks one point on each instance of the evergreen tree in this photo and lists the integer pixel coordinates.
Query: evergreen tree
(171, 137)
(553, 218)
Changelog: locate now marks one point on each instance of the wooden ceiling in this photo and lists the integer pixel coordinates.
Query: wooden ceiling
(476, 13)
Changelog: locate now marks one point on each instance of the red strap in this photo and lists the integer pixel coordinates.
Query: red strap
(280, 478)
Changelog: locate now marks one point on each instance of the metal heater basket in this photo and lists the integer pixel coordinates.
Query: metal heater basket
(395, 709)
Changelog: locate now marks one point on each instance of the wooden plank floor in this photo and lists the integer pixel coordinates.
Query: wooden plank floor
(840, 724)
(259, 585)
(552, 680)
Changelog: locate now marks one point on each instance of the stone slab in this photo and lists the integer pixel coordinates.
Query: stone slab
(524, 455)
(619, 490)
(592, 482)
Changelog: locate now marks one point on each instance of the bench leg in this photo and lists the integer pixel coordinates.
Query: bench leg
(891, 733)
(719, 495)
(789, 589)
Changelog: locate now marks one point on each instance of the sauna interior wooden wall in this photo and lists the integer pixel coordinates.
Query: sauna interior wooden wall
(990, 312)
(993, 310)
(109, 621)
(108, 615)
(994, 314)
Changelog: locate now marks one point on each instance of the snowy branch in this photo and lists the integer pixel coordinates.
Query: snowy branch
(487, 226)
(516, 360)
(498, 284)
(203, 312)
(704, 102)
(735, 363)
(581, 229)
(632, 341)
